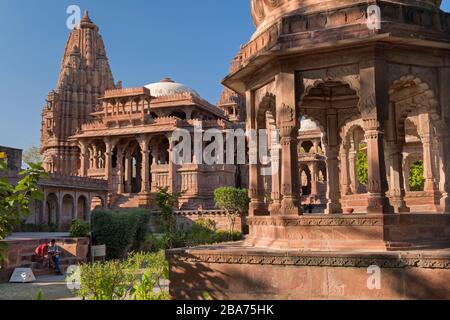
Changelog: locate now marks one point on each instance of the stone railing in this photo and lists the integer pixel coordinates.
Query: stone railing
(263, 42)
(74, 182)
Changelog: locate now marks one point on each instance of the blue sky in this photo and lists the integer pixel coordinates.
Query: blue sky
(146, 40)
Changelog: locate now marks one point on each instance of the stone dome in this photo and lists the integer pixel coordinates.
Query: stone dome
(168, 87)
(266, 12)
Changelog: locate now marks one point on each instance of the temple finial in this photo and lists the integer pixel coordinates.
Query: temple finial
(86, 17)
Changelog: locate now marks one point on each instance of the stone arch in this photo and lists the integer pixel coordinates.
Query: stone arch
(410, 94)
(267, 104)
(82, 208)
(352, 135)
(52, 209)
(305, 180)
(67, 210)
(352, 81)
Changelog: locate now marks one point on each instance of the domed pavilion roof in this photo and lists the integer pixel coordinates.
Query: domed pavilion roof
(168, 87)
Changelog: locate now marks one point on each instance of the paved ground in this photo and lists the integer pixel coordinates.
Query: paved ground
(53, 288)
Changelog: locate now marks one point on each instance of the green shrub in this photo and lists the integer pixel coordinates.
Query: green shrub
(79, 229)
(138, 277)
(362, 165)
(106, 281)
(142, 220)
(224, 236)
(416, 176)
(234, 201)
(121, 232)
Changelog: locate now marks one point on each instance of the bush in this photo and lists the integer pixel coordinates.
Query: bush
(234, 201)
(142, 218)
(79, 229)
(106, 281)
(121, 232)
(137, 278)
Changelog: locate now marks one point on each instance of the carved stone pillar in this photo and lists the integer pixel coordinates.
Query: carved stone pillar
(289, 126)
(397, 180)
(290, 204)
(333, 188)
(120, 171)
(352, 170)
(377, 185)
(275, 206)
(172, 168)
(145, 174)
(314, 180)
(108, 161)
(84, 159)
(128, 173)
(427, 141)
(256, 207)
(345, 181)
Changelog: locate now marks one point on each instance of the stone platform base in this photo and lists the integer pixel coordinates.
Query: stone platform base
(392, 232)
(20, 253)
(238, 272)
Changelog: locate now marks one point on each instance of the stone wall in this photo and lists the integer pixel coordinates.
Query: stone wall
(247, 273)
(20, 253)
(14, 162)
(185, 220)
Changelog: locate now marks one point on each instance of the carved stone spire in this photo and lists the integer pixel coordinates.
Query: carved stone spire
(85, 75)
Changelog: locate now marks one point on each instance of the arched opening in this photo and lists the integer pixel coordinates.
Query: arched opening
(52, 210)
(413, 147)
(306, 146)
(159, 169)
(330, 104)
(82, 209)
(305, 180)
(68, 211)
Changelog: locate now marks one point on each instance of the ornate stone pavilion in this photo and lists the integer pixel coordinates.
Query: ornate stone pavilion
(387, 87)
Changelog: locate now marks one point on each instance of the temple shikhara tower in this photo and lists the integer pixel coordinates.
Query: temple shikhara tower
(372, 77)
(84, 77)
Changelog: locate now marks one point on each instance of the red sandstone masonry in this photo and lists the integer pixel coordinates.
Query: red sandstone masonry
(20, 253)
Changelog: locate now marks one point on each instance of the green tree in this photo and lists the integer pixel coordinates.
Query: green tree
(32, 155)
(235, 202)
(15, 200)
(416, 176)
(362, 165)
(166, 201)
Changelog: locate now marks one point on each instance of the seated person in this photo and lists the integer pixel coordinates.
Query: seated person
(42, 252)
(54, 253)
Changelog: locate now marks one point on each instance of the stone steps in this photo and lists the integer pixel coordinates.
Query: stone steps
(125, 201)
